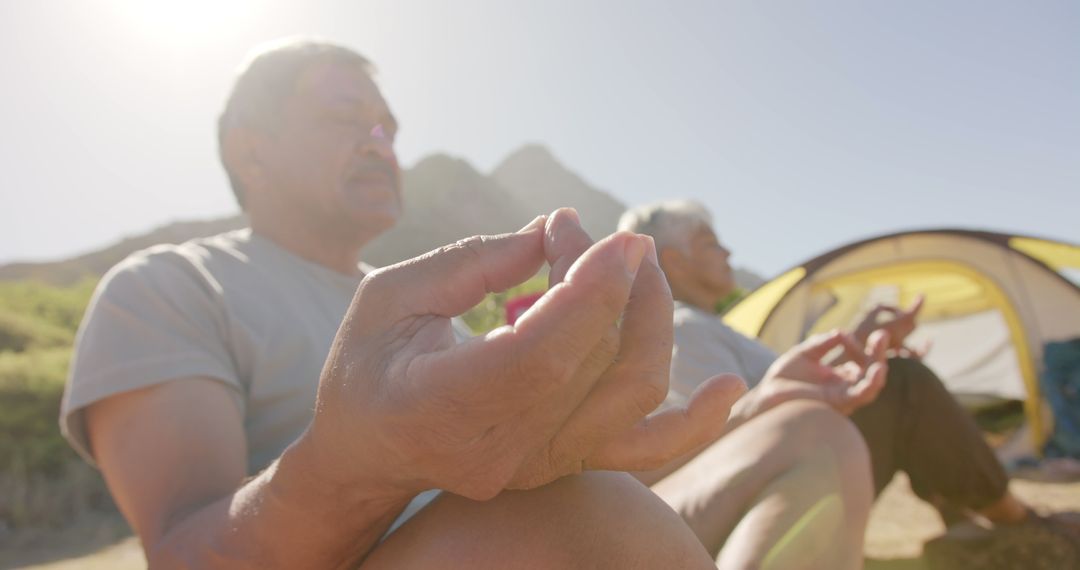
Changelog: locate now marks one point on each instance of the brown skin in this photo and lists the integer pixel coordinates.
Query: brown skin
(400, 407)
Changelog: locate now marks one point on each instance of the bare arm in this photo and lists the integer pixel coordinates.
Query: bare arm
(174, 456)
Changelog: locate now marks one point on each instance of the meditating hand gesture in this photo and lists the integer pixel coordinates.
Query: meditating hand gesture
(402, 408)
(898, 323)
(800, 373)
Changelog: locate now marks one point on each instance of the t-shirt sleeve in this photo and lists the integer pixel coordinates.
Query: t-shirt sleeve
(699, 354)
(756, 359)
(155, 317)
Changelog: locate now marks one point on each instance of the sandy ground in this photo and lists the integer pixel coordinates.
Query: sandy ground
(899, 525)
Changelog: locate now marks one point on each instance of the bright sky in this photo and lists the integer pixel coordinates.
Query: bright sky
(803, 125)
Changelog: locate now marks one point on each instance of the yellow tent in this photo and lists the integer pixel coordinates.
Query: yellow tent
(992, 302)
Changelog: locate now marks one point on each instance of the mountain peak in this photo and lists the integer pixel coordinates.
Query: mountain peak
(539, 180)
(531, 154)
(445, 163)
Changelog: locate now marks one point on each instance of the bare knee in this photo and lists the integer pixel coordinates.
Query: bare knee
(828, 482)
(599, 520)
(818, 427)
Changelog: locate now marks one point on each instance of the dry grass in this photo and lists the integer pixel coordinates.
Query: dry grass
(93, 539)
(36, 500)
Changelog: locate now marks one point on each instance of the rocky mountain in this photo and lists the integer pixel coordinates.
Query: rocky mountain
(446, 199)
(96, 263)
(536, 179)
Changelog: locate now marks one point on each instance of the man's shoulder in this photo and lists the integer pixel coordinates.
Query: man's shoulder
(194, 258)
(194, 252)
(693, 324)
(687, 317)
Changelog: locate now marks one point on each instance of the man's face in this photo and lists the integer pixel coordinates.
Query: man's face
(331, 156)
(708, 263)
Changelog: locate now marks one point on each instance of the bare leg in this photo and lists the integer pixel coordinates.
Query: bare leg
(792, 488)
(596, 520)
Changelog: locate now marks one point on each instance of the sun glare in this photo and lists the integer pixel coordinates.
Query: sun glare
(183, 23)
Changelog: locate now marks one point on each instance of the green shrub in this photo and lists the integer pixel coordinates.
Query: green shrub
(32, 501)
(59, 306)
(733, 298)
(42, 481)
(20, 332)
(31, 386)
(491, 312)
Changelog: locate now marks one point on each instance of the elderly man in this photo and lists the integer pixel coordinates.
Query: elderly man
(196, 384)
(914, 425)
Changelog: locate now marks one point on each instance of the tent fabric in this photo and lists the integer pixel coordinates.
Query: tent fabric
(993, 301)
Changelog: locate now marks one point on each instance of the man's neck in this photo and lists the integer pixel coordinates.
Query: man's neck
(337, 253)
(698, 299)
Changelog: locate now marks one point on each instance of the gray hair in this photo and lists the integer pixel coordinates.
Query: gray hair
(266, 79)
(670, 223)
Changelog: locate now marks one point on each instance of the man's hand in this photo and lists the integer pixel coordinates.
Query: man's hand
(899, 324)
(629, 370)
(800, 374)
(402, 408)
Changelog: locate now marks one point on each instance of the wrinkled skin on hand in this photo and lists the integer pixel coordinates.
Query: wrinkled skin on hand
(897, 322)
(566, 388)
(800, 373)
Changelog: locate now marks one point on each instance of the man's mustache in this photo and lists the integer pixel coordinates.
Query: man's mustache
(373, 165)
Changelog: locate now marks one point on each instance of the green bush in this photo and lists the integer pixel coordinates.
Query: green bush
(61, 307)
(42, 481)
(724, 305)
(491, 312)
(31, 386)
(19, 332)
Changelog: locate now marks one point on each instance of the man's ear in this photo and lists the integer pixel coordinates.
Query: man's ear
(240, 154)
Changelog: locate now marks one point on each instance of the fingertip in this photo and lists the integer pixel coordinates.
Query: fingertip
(822, 338)
(537, 223)
(633, 252)
(718, 393)
(560, 217)
(878, 373)
(650, 249)
(563, 216)
(879, 342)
(735, 382)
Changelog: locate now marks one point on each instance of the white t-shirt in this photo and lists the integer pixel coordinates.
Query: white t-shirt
(235, 308)
(704, 347)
